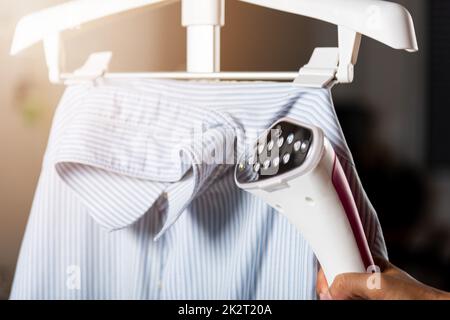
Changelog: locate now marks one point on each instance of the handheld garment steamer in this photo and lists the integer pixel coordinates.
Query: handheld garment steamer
(294, 169)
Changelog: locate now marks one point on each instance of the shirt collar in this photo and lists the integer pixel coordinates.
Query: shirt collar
(119, 165)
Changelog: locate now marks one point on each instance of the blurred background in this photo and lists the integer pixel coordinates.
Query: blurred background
(394, 115)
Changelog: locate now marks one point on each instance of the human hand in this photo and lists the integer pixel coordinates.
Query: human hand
(393, 284)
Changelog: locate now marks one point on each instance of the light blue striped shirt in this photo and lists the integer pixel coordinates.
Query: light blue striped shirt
(128, 208)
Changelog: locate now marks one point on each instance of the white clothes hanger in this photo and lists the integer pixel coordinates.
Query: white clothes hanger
(387, 22)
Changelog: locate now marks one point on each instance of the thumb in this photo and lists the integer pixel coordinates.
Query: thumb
(350, 286)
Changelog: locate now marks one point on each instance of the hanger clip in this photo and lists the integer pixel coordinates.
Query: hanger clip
(321, 69)
(329, 66)
(95, 67)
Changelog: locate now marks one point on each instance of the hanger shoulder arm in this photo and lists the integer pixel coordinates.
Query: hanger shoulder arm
(36, 26)
(387, 22)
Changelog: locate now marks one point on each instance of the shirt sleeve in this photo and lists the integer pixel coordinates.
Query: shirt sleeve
(369, 218)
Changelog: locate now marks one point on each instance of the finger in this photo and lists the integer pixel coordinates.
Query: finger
(321, 283)
(351, 286)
